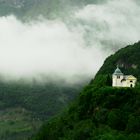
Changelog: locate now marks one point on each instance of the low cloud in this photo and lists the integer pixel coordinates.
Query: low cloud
(67, 49)
(47, 47)
(113, 24)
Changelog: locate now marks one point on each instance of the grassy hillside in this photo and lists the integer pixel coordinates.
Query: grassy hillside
(17, 123)
(101, 112)
(24, 106)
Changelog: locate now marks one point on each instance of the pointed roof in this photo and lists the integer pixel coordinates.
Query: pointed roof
(118, 71)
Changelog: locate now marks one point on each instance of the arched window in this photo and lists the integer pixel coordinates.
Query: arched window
(118, 77)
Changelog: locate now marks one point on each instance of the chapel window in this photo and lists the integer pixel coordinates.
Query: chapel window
(118, 77)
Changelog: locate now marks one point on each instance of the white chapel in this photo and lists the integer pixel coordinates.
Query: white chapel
(121, 80)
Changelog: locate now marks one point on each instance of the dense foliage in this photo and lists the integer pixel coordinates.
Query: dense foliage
(24, 106)
(44, 100)
(128, 59)
(102, 112)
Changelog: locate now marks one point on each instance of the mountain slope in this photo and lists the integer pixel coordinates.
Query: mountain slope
(24, 106)
(101, 112)
(128, 59)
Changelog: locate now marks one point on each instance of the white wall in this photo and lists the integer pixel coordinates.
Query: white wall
(117, 82)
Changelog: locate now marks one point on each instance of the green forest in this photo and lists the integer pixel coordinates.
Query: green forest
(50, 88)
(24, 106)
(101, 112)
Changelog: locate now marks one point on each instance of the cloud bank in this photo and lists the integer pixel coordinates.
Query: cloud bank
(113, 24)
(67, 49)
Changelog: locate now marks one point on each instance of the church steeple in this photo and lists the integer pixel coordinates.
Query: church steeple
(117, 71)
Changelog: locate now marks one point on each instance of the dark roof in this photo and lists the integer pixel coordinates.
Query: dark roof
(118, 72)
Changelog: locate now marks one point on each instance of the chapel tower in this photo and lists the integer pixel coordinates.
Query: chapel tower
(117, 78)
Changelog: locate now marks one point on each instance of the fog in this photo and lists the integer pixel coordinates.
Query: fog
(72, 49)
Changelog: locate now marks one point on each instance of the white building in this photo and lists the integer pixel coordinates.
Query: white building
(121, 80)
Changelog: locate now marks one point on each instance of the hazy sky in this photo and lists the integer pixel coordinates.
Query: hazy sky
(65, 49)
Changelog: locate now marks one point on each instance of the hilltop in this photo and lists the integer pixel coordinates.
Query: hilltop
(128, 59)
(102, 112)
